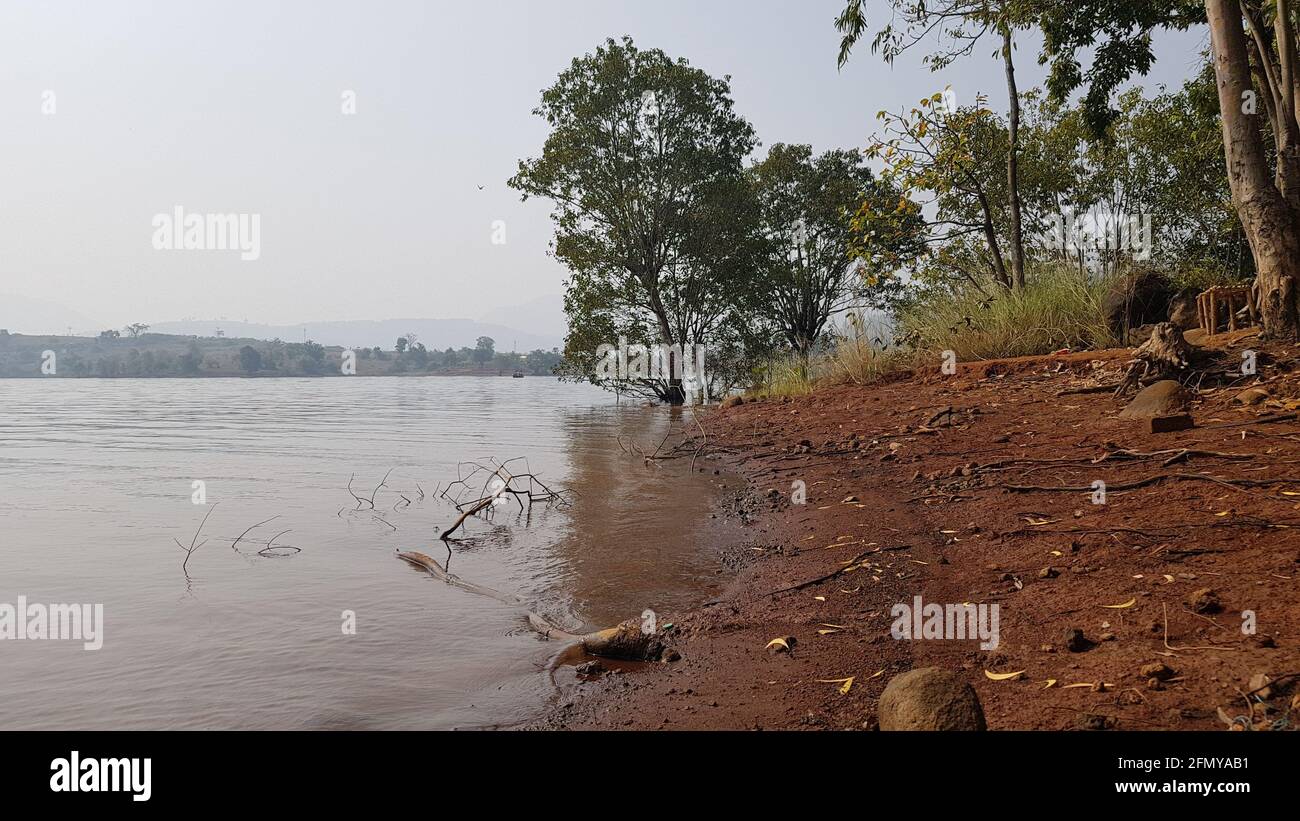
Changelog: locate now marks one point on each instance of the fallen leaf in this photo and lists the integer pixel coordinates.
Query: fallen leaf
(880, 673)
(846, 682)
(777, 642)
(820, 598)
(1050, 682)
(1003, 676)
(1123, 606)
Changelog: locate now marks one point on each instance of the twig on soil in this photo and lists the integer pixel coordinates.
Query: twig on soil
(849, 564)
(1168, 646)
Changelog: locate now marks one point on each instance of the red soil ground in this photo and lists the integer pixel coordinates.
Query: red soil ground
(924, 507)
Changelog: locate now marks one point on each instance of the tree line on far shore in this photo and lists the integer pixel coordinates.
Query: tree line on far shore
(141, 354)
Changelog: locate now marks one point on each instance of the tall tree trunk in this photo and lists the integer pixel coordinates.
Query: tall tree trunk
(675, 393)
(1013, 164)
(1270, 223)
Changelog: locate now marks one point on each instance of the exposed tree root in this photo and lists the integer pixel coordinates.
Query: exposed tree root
(626, 640)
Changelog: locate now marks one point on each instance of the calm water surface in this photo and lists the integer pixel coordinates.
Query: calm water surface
(95, 483)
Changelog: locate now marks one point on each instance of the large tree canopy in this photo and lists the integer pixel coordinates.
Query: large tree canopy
(1253, 45)
(807, 208)
(642, 156)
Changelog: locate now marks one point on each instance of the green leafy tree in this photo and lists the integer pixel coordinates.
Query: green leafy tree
(959, 26)
(808, 207)
(250, 359)
(641, 153)
(484, 350)
(1255, 58)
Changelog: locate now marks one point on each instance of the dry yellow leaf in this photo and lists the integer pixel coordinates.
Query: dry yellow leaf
(820, 598)
(1050, 682)
(1123, 606)
(880, 673)
(1003, 676)
(846, 683)
(777, 642)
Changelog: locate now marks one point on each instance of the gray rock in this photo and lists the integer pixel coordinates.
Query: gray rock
(1182, 310)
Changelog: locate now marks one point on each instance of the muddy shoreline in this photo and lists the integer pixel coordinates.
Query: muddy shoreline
(959, 489)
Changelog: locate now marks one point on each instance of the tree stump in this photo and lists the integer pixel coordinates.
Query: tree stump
(1166, 355)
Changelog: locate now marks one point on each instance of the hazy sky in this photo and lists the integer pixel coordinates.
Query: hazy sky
(236, 107)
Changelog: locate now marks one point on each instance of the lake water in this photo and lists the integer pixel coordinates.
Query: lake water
(96, 483)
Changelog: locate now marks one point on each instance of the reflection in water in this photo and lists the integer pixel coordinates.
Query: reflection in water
(97, 478)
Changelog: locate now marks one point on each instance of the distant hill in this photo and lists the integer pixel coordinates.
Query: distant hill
(23, 315)
(434, 333)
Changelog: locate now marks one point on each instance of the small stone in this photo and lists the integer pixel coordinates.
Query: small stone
(1251, 396)
(1106, 637)
(1075, 641)
(1156, 670)
(849, 499)
(1048, 573)
(1164, 398)
(1204, 600)
(671, 655)
(1259, 686)
(1088, 721)
(1155, 684)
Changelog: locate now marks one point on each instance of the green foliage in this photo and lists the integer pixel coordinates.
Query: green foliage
(250, 359)
(643, 165)
(829, 229)
(1117, 36)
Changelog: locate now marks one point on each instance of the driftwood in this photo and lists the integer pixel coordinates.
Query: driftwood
(497, 483)
(626, 640)
(1166, 355)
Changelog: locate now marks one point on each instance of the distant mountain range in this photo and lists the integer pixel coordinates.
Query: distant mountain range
(539, 323)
